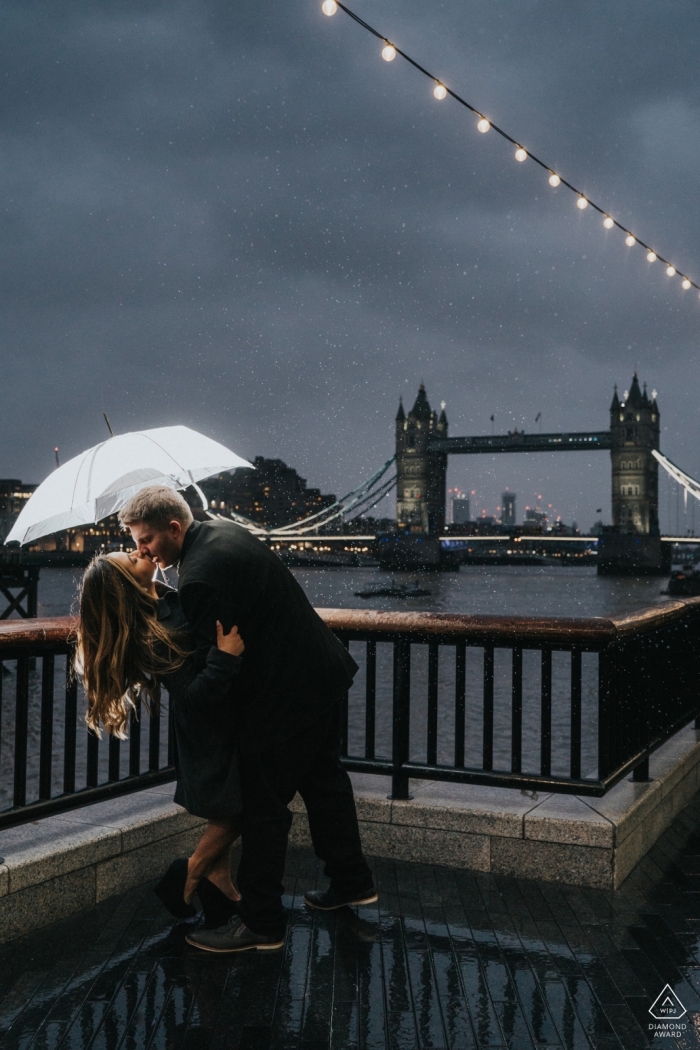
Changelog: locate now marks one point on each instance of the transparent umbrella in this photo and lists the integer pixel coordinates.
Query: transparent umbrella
(98, 482)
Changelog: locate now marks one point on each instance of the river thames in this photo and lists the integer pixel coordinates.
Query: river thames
(496, 590)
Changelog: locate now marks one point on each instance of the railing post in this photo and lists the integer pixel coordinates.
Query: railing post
(575, 741)
(69, 731)
(546, 714)
(516, 727)
(433, 655)
(606, 707)
(344, 711)
(640, 773)
(370, 699)
(401, 715)
(46, 740)
(21, 726)
(487, 746)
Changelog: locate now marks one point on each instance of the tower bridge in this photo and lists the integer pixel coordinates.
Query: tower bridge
(631, 544)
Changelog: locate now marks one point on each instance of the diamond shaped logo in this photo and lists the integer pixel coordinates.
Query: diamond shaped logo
(667, 1007)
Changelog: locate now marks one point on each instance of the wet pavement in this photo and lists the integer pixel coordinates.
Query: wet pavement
(446, 959)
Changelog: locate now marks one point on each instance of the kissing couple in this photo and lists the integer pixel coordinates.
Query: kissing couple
(255, 680)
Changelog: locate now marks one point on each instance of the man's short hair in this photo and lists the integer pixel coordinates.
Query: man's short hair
(156, 505)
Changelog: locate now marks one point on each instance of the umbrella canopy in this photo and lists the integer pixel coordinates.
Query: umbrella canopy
(99, 482)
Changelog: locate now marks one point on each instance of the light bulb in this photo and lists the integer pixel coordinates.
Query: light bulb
(554, 180)
(630, 241)
(582, 203)
(670, 270)
(483, 125)
(388, 52)
(608, 223)
(651, 256)
(686, 284)
(440, 91)
(329, 7)
(520, 154)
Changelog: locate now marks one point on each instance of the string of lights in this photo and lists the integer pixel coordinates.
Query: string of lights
(441, 91)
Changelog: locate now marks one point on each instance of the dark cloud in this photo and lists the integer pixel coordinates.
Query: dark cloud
(237, 216)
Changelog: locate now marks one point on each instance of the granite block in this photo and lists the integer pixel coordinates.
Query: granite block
(426, 846)
(674, 759)
(118, 874)
(45, 849)
(673, 803)
(402, 842)
(553, 862)
(468, 808)
(4, 880)
(39, 905)
(567, 818)
(371, 800)
(634, 847)
(626, 805)
(142, 817)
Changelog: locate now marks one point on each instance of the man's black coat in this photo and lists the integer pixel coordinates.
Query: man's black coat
(293, 664)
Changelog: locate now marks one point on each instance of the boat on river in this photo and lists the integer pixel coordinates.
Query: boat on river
(685, 583)
(395, 590)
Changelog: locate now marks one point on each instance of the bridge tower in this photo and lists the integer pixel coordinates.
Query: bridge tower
(634, 432)
(633, 545)
(421, 476)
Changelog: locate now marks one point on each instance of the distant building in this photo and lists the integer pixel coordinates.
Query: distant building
(534, 517)
(13, 496)
(508, 511)
(460, 511)
(272, 494)
(368, 526)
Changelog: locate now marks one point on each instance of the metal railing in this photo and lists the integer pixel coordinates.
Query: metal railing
(49, 762)
(537, 703)
(540, 704)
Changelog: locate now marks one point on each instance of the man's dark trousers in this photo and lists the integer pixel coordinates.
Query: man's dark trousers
(309, 763)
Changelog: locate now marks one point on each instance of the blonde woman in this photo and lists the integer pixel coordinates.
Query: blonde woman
(132, 639)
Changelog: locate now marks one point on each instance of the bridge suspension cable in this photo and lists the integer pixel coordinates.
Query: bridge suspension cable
(689, 485)
(362, 498)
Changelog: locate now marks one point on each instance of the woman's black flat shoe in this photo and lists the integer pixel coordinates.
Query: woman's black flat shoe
(217, 907)
(171, 890)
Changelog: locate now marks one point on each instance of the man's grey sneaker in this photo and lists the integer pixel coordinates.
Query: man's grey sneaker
(234, 936)
(330, 899)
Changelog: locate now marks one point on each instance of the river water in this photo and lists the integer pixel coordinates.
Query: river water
(498, 590)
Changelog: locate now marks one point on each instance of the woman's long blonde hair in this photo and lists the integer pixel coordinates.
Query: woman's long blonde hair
(122, 647)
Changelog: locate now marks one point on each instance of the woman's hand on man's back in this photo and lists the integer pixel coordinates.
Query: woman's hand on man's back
(231, 643)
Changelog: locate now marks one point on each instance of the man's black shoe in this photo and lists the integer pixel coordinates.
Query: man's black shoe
(233, 937)
(330, 899)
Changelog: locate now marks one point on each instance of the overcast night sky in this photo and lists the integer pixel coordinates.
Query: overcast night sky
(238, 217)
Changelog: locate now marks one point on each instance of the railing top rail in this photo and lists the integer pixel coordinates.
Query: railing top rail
(539, 629)
(21, 634)
(583, 630)
(542, 630)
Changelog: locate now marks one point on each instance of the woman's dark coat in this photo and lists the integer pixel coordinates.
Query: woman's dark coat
(201, 723)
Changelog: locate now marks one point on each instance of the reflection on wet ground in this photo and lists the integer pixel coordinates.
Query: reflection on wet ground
(446, 959)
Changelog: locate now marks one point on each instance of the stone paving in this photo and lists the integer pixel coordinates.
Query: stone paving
(447, 959)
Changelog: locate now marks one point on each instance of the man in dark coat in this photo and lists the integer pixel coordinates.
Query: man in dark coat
(287, 705)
